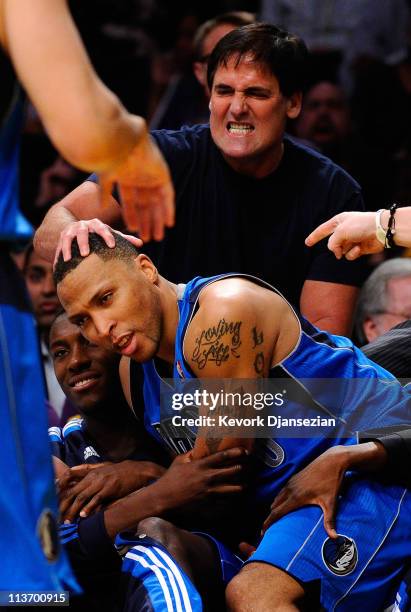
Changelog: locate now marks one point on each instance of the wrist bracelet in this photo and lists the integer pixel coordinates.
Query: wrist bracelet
(380, 232)
(389, 235)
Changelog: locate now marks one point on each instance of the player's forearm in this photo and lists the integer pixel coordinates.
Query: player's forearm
(84, 119)
(127, 512)
(47, 235)
(365, 457)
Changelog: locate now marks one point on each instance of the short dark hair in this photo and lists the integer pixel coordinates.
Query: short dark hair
(234, 18)
(284, 54)
(122, 250)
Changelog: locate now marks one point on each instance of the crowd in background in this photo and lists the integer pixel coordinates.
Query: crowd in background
(154, 56)
(358, 86)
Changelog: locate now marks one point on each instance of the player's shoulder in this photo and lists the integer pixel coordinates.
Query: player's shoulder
(238, 295)
(236, 321)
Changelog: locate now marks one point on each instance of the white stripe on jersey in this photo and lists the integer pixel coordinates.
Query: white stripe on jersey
(178, 576)
(158, 575)
(173, 573)
(55, 431)
(72, 425)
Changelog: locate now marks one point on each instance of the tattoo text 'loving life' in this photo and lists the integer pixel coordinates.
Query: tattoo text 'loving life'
(217, 343)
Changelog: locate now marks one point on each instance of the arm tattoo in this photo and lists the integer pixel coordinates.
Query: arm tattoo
(258, 337)
(259, 363)
(217, 343)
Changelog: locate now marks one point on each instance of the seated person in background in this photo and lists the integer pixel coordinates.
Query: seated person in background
(384, 300)
(38, 274)
(392, 351)
(109, 432)
(185, 102)
(238, 327)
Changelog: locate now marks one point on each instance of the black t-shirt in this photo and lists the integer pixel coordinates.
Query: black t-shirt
(228, 222)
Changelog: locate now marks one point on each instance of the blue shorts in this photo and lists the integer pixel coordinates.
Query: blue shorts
(230, 563)
(31, 557)
(155, 581)
(363, 568)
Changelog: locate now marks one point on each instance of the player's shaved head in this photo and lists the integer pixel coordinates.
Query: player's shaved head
(123, 250)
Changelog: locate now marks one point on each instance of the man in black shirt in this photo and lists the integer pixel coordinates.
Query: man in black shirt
(246, 195)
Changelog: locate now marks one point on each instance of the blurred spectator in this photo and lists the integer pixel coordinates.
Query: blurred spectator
(340, 33)
(325, 122)
(209, 34)
(378, 62)
(185, 101)
(38, 274)
(326, 27)
(56, 181)
(384, 300)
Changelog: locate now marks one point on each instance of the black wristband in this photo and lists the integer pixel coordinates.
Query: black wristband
(389, 236)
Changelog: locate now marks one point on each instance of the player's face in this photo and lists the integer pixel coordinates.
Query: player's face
(42, 290)
(116, 304)
(86, 372)
(248, 116)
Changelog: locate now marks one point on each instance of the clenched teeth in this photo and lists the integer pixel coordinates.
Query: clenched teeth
(239, 128)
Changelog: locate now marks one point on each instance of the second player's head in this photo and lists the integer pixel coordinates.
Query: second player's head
(88, 374)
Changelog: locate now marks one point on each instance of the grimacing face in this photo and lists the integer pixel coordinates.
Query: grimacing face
(116, 304)
(86, 372)
(248, 116)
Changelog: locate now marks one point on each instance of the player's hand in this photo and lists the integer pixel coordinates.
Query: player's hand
(87, 487)
(80, 230)
(188, 481)
(145, 189)
(316, 485)
(352, 234)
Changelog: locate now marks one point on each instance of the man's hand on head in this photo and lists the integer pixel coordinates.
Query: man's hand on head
(80, 230)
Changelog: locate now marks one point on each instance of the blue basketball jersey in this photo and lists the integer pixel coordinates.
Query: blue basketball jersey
(374, 398)
(31, 556)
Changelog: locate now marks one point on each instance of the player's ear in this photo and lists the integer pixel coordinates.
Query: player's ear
(147, 267)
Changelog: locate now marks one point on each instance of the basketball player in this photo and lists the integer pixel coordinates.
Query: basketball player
(237, 327)
(40, 47)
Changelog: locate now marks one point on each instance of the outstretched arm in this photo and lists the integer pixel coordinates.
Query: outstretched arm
(84, 119)
(353, 234)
